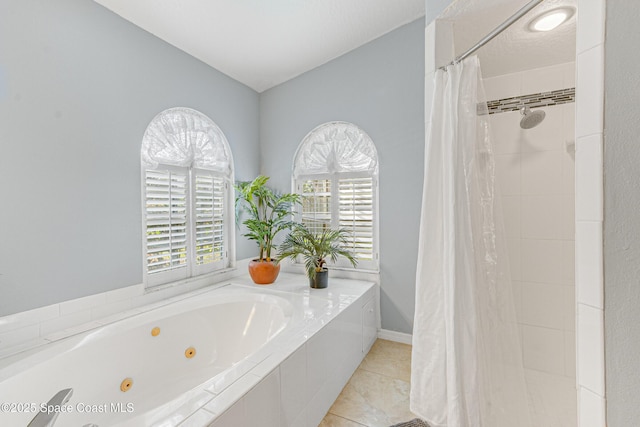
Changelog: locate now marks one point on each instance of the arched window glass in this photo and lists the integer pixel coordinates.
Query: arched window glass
(335, 169)
(187, 172)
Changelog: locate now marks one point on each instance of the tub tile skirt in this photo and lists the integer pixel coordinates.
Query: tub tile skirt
(416, 422)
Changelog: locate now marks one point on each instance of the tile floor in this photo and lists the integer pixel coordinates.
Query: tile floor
(377, 394)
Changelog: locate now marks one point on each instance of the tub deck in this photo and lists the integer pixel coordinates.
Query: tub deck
(291, 380)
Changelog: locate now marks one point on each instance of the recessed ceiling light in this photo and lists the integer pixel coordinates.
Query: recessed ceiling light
(551, 19)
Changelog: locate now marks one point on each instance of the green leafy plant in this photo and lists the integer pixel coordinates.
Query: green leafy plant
(268, 212)
(316, 248)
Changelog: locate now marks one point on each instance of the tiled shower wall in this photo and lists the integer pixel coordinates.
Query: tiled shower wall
(535, 174)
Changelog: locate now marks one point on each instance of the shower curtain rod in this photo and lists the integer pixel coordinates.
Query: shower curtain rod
(500, 28)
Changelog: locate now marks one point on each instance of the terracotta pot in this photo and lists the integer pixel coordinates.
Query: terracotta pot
(321, 280)
(263, 272)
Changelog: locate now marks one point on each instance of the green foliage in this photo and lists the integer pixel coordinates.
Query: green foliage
(268, 212)
(316, 248)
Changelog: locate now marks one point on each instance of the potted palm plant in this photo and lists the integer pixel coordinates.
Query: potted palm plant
(268, 213)
(315, 249)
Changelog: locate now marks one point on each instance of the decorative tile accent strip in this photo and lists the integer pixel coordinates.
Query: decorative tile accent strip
(544, 99)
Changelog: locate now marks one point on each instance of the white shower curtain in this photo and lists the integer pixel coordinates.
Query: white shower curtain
(466, 364)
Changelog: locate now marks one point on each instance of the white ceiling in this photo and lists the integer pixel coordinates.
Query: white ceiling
(263, 43)
(517, 48)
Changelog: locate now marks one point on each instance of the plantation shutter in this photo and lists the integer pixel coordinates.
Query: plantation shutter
(209, 192)
(355, 209)
(166, 220)
(316, 204)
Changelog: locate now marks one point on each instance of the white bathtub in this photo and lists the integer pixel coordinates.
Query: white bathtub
(232, 329)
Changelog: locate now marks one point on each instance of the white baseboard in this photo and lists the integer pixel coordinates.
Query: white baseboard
(400, 337)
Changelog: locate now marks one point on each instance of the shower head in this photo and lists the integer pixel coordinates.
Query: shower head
(530, 118)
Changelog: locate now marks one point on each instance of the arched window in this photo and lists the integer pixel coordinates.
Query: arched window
(187, 202)
(335, 169)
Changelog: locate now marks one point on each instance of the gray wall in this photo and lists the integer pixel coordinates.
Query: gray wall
(78, 86)
(622, 213)
(379, 87)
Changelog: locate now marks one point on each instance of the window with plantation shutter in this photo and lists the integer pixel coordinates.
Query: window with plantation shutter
(335, 171)
(316, 204)
(166, 219)
(209, 219)
(356, 214)
(187, 171)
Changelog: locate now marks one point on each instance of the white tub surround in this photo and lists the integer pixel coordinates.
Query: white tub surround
(273, 355)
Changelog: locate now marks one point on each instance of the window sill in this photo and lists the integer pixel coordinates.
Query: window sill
(338, 272)
(196, 282)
